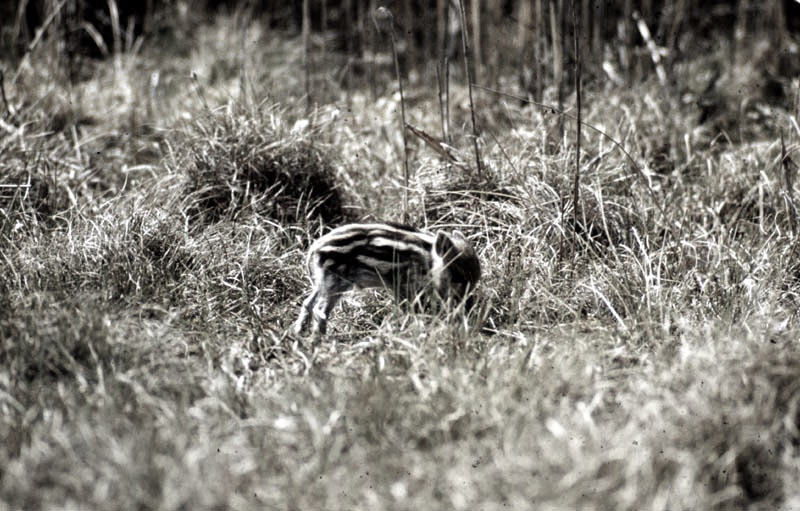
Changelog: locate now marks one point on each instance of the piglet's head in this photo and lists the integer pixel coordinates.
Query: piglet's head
(456, 268)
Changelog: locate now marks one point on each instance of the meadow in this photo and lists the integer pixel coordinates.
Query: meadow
(634, 350)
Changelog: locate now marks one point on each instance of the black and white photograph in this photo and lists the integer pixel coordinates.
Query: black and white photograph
(400, 255)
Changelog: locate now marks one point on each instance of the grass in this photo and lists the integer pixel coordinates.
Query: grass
(152, 271)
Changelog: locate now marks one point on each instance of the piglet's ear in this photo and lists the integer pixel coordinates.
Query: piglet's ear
(459, 238)
(443, 244)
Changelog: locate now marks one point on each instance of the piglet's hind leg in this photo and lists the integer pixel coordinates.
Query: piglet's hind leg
(329, 294)
(306, 310)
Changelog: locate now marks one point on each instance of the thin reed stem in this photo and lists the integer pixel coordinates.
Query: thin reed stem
(384, 16)
(465, 48)
(577, 181)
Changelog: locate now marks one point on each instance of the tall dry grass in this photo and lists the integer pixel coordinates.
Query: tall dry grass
(153, 267)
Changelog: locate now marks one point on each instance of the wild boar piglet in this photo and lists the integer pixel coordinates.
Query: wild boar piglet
(417, 266)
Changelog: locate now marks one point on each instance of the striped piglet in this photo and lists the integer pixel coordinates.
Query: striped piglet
(414, 264)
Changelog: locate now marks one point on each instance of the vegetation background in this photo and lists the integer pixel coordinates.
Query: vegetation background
(164, 167)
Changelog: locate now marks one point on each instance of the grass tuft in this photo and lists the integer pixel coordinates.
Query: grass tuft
(253, 162)
(44, 345)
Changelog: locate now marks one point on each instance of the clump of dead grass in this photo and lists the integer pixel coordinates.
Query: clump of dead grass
(254, 162)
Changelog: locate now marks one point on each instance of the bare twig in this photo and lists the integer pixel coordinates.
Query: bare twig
(447, 137)
(383, 16)
(9, 109)
(477, 60)
(41, 30)
(465, 48)
(441, 76)
(540, 43)
(576, 182)
(502, 150)
(441, 149)
(306, 32)
(557, 35)
(655, 51)
(199, 89)
(113, 12)
(38, 37)
(789, 175)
